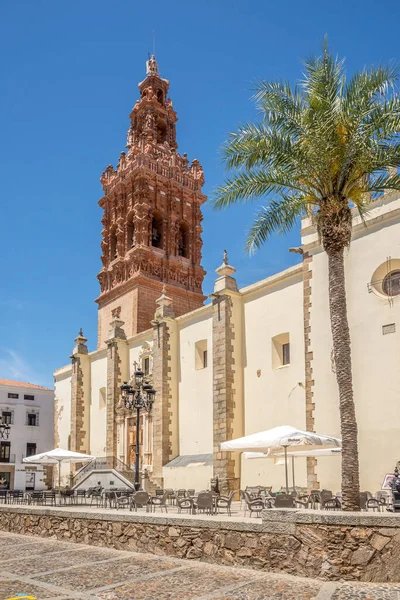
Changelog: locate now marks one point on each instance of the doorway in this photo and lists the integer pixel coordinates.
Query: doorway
(29, 480)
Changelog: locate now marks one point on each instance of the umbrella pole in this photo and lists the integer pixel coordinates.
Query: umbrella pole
(294, 483)
(59, 476)
(286, 471)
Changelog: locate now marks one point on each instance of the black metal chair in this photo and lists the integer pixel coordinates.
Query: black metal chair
(67, 496)
(16, 496)
(96, 495)
(49, 497)
(35, 498)
(80, 496)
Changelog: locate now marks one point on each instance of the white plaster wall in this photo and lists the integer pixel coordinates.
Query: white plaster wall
(375, 358)
(197, 478)
(98, 415)
(135, 349)
(21, 434)
(195, 387)
(62, 393)
(273, 398)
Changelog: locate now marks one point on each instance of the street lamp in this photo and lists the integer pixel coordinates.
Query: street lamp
(4, 431)
(139, 396)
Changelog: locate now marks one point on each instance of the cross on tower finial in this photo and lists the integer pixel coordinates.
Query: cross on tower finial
(80, 332)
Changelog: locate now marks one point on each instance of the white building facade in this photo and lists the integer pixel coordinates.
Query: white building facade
(29, 411)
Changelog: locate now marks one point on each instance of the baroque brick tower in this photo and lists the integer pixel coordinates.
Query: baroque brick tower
(152, 218)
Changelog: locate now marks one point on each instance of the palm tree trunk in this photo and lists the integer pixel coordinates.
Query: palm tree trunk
(342, 356)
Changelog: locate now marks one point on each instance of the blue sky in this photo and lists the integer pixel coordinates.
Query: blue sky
(69, 73)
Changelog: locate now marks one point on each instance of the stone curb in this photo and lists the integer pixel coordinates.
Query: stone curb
(354, 519)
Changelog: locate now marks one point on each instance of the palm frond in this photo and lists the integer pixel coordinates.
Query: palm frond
(278, 216)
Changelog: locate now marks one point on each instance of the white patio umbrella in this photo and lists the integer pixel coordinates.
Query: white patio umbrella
(280, 460)
(273, 440)
(57, 456)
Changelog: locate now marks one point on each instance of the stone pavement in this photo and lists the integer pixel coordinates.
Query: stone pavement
(48, 569)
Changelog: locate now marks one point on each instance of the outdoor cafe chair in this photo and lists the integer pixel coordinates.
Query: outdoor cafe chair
(122, 500)
(253, 506)
(96, 495)
(80, 496)
(67, 496)
(160, 502)
(181, 494)
(4, 496)
(204, 502)
(35, 498)
(383, 498)
(367, 502)
(225, 502)
(284, 500)
(184, 504)
(49, 497)
(171, 496)
(139, 500)
(16, 496)
(191, 493)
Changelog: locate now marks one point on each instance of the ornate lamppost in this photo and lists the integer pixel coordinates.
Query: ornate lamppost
(140, 395)
(4, 431)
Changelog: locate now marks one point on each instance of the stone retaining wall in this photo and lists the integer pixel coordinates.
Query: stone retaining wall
(330, 546)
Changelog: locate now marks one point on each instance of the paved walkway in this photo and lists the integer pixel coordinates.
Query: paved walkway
(49, 569)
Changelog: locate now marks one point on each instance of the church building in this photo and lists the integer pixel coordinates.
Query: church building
(248, 359)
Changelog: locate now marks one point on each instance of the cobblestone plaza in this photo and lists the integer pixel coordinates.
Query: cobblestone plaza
(47, 569)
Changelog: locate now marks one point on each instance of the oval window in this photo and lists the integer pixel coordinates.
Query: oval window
(391, 283)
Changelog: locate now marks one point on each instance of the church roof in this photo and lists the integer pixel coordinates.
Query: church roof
(24, 384)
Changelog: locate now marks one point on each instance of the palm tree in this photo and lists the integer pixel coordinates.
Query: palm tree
(320, 148)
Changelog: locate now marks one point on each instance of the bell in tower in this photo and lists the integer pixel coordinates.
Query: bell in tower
(152, 217)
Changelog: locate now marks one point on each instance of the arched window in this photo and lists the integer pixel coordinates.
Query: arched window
(113, 244)
(183, 240)
(131, 235)
(156, 231)
(161, 131)
(160, 96)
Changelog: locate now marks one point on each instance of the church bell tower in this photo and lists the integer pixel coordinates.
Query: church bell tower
(152, 218)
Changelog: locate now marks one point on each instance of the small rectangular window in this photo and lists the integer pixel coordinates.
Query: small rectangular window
(29, 397)
(5, 451)
(12, 395)
(6, 418)
(30, 449)
(286, 354)
(280, 350)
(200, 357)
(32, 420)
